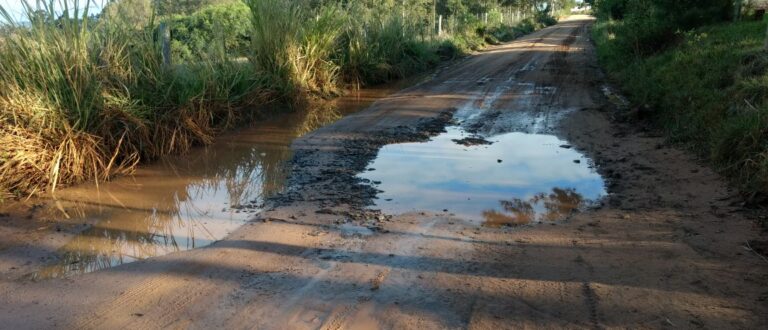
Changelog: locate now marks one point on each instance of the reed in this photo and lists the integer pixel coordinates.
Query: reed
(85, 99)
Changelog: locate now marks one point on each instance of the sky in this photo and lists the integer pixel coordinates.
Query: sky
(16, 8)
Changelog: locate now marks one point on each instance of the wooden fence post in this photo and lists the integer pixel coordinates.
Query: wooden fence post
(765, 43)
(165, 39)
(440, 25)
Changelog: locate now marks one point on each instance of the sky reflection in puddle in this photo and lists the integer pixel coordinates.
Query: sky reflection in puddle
(519, 179)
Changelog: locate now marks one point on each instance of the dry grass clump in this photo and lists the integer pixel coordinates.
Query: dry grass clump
(34, 160)
(84, 99)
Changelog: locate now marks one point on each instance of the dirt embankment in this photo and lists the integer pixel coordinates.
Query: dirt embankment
(667, 248)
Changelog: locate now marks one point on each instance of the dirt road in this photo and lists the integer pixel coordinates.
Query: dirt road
(668, 247)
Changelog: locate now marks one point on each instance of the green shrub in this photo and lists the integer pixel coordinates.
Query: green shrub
(291, 49)
(381, 48)
(649, 26)
(219, 27)
(709, 90)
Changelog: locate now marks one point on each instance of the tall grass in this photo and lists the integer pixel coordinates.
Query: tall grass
(304, 46)
(379, 48)
(83, 99)
(291, 48)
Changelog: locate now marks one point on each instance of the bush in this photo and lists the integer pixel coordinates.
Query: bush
(211, 29)
(380, 48)
(291, 49)
(649, 26)
(709, 90)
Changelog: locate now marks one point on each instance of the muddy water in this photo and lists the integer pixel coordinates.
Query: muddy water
(182, 203)
(519, 178)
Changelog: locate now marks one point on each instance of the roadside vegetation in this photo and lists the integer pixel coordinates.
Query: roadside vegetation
(88, 95)
(697, 71)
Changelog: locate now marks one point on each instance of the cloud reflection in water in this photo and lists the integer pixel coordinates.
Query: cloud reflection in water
(520, 178)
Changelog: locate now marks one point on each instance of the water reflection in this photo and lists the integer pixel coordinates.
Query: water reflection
(519, 179)
(185, 202)
(542, 207)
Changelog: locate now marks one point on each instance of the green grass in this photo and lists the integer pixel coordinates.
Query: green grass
(709, 90)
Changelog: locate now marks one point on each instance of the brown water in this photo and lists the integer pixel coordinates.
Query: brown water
(182, 203)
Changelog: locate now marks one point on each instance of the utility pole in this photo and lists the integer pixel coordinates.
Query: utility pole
(164, 36)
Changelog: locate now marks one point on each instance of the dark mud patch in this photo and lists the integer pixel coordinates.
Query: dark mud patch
(334, 183)
(472, 141)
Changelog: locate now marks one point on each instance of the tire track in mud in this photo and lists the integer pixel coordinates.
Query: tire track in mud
(129, 305)
(295, 302)
(132, 307)
(590, 299)
(524, 89)
(558, 63)
(347, 313)
(470, 75)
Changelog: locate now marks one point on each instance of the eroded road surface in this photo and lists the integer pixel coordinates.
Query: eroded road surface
(664, 243)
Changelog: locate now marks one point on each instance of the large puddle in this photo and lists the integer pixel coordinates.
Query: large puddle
(518, 179)
(186, 202)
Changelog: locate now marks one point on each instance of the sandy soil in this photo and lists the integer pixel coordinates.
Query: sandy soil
(668, 248)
